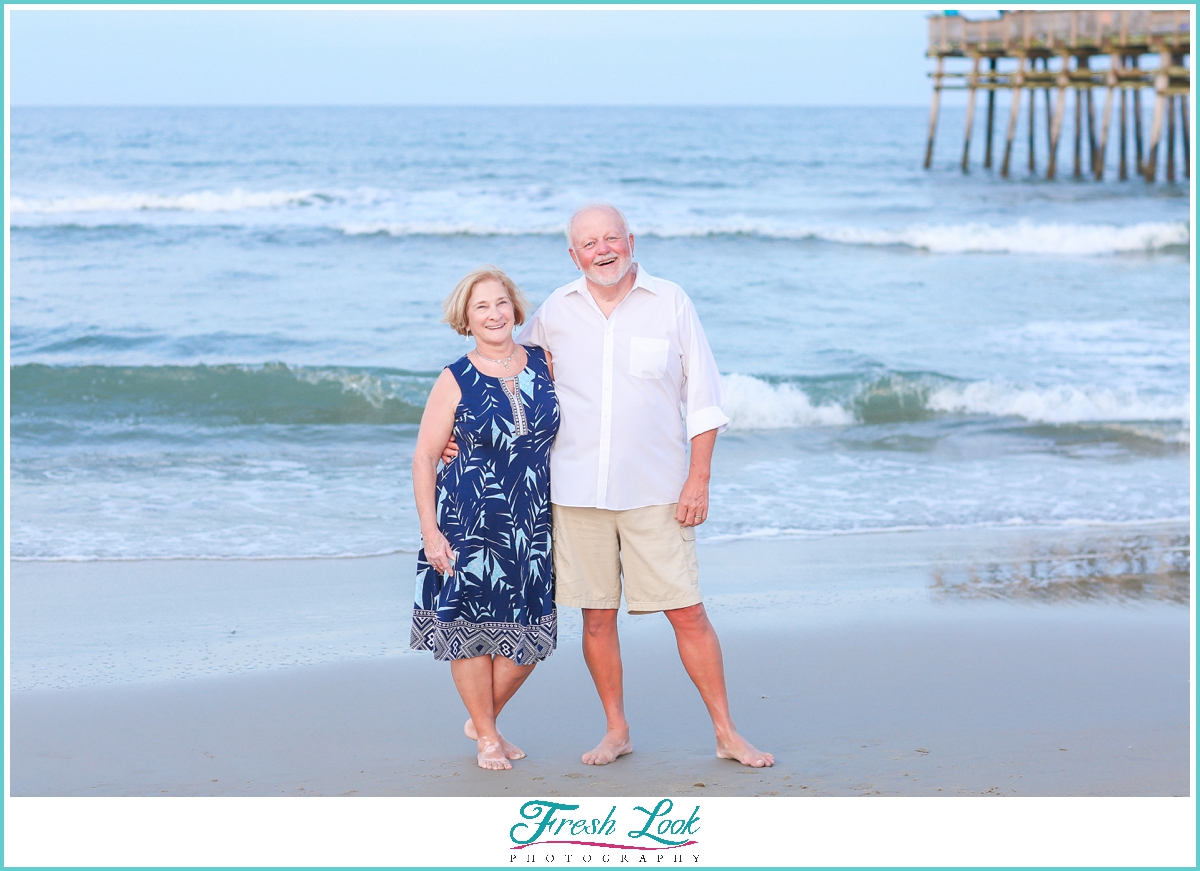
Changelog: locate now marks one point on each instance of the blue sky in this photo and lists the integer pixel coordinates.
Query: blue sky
(468, 57)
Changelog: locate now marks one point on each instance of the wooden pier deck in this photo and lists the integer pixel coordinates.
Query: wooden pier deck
(1022, 53)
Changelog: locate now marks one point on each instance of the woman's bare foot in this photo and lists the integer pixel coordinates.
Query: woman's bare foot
(615, 743)
(511, 750)
(737, 748)
(492, 756)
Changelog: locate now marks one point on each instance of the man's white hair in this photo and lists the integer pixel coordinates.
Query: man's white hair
(589, 207)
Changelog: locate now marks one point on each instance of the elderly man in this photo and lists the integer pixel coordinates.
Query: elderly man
(628, 349)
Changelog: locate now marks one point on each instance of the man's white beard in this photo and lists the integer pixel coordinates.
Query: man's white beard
(609, 282)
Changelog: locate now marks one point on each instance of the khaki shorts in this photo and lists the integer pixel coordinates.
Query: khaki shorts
(595, 549)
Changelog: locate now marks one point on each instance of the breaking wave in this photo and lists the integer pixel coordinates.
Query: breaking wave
(1021, 238)
(757, 403)
(401, 214)
(273, 393)
(1063, 404)
(277, 393)
(236, 200)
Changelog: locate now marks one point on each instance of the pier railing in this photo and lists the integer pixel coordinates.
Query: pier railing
(1102, 31)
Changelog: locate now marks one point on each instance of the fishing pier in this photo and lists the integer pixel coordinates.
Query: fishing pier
(1136, 54)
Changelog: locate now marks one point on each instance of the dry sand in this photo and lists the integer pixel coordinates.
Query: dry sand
(884, 684)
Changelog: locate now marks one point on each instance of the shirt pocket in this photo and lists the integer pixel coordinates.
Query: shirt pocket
(648, 357)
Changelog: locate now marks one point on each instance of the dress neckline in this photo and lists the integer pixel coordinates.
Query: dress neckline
(471, 363)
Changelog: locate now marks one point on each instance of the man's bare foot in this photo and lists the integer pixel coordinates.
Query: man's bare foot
(737, 748)
(615, 743)
(491, 756)
(511, 750)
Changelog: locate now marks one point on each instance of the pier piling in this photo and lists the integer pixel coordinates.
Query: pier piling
(1079, 131)
(1049, 107)
(1056, 123)
(970, 113)
(1032, 125)
(1170, 138)
(1013, 112)
(991, 113)
(1137, 131)
(1123, 170)
(1105, 121)
(1187, 151)
(933, 112)
(1156, 123)
(1091, 128)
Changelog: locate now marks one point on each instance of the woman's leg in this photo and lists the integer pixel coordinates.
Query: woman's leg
(507, 678)
(473, 677)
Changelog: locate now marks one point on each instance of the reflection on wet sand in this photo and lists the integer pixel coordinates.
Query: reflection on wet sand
(1127, 567)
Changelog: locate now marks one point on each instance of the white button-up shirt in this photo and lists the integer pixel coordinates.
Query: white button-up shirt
(633, 388)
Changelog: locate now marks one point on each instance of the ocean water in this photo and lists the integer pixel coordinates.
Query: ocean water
(224, 322)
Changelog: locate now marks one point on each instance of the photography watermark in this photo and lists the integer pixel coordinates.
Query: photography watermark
(639, 835)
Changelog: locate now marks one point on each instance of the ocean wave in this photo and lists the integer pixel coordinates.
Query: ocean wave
(757, 403)
(1061, 404)
(278, 393)
(366, 211)
(1021, 238)
(752, 403)
(1159, 526)
(402, 229)
(1017, 523)
(272, 393)
(237, 200)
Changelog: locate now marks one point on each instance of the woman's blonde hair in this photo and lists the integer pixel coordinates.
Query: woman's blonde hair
(454, 308)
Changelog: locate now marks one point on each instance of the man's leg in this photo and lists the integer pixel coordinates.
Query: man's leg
(587, 575)
(700, 650)
(507, 678)
(602, 653)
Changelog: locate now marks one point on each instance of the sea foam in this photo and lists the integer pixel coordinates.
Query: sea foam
(752, 403)
(237, 200)
(402, 213)
(1060, 404)
(971, 238)
(1025, 237)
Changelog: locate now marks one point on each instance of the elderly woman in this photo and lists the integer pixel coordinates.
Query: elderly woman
(485, 583)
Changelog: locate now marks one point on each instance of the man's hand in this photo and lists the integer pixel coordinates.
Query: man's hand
(693, 502)
(450, 451)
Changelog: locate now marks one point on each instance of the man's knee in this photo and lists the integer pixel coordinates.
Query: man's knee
(691, 618)
(599, 621)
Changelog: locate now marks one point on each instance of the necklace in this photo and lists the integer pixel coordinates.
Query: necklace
(503, 362)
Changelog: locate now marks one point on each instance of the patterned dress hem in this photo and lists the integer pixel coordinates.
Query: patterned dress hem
(462, 639)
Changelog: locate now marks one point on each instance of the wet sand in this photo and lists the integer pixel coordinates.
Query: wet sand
(862, 663)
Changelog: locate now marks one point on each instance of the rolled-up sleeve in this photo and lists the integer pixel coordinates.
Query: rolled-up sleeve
(702, 396)
(534, 331)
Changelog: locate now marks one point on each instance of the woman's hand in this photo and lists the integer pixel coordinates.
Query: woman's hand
(438, 552)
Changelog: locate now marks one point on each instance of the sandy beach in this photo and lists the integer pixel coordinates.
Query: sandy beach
(974, 662)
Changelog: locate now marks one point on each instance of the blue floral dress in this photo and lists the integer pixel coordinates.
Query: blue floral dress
(493, 506)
